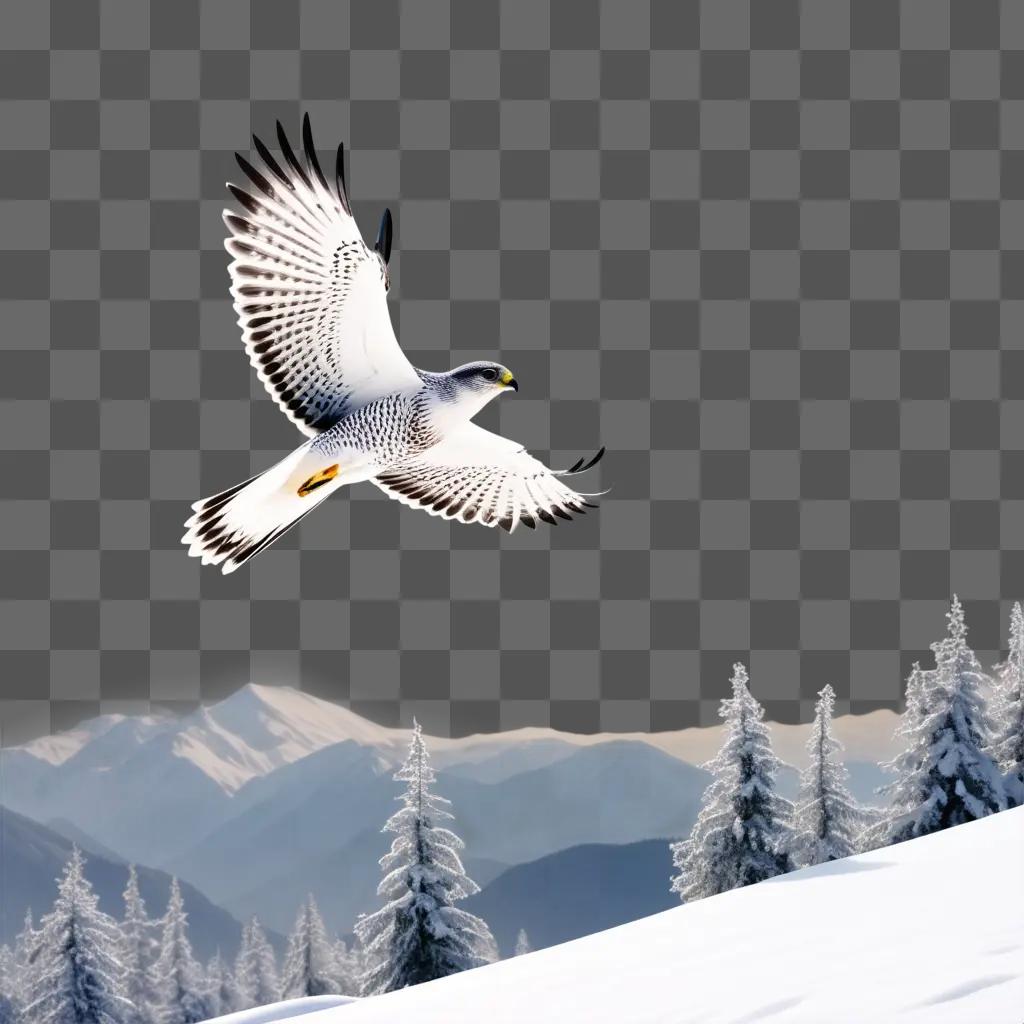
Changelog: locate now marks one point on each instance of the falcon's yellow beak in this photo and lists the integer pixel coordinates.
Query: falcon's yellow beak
(508, 381)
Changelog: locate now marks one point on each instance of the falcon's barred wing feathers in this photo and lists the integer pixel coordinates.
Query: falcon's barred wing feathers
(477, 476)
(310, 296)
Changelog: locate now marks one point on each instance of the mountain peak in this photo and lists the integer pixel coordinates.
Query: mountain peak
(276, 699)
(259, 692)
(259, 728)
(297, 708)
(62, 746)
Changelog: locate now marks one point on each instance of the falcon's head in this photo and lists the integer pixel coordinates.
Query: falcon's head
(483, 379)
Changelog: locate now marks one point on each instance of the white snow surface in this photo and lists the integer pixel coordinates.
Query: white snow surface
(58, 748)
(927, 932)
(293, 1009)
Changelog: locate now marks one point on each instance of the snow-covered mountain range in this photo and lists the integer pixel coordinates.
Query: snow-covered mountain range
(927, 932)
(273, 792)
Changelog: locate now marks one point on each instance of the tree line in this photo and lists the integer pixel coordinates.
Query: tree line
(82, 966)
(961, 758)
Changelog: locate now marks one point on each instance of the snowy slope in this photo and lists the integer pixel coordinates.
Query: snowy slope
(295, 1008)
(929, 932)
(57, 749)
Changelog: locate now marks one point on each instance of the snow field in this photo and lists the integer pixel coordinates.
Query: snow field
(927, 932)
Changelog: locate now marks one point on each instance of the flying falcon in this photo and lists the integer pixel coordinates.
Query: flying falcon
(311, 302)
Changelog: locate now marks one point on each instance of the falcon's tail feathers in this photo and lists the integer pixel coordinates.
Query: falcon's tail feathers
(229, 528)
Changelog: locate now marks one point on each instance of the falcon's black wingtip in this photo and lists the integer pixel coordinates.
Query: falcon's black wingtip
(289, 155)
(384, 236)
(309, 149)
(268, 158)
(339, 178)
(254, 176)
(305, 170)
(581, 465)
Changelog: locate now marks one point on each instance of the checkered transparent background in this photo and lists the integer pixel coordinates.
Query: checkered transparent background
(771, 254)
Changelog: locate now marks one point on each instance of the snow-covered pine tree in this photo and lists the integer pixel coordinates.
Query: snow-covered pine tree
(917, 689)
(420, 934)
(26, 945)
(310, 966)
(827, 817)
(179, 985)
(222, 992)
(256, 969)
(522, 943)
(350, 965)
(944, 776)
(139, 950)
(1007, 747)
(10, 987)
(742, 833)
(76, 977)
(876, 828)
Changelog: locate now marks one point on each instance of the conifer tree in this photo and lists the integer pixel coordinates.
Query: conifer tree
(311, 966)
(26, 946)
(222, 992)
(139, 950)
(419, 934)
(180, 988)
(944, 776)
(827, 817)
(256, 969)
(351, 966)
(522, 943)
(76, 977)
(917, 690)
(742, 833)
(876, 828)
(1007, 746)
(10, 987)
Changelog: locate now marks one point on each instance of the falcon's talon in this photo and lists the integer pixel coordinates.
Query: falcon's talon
(325, 476)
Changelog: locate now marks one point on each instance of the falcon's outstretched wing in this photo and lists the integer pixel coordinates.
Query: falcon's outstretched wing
(479, 477)
(310, 296)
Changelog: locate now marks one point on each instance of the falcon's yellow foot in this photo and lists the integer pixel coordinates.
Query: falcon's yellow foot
(325, 476)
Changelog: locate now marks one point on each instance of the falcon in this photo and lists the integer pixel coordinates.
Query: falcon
(311, 299)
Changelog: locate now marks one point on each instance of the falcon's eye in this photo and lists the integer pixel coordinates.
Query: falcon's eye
(489, 374)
